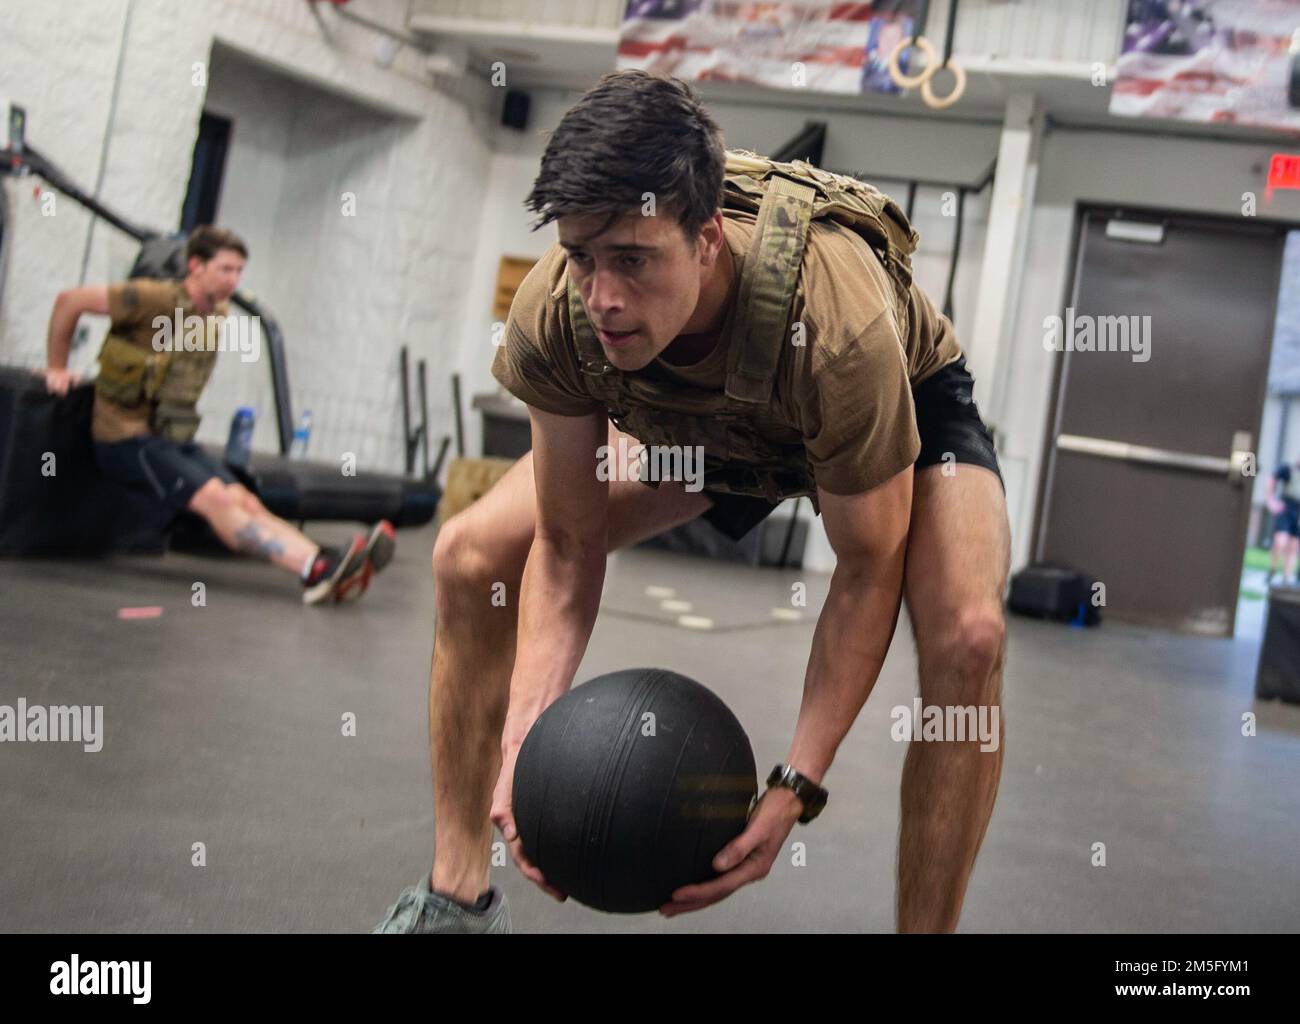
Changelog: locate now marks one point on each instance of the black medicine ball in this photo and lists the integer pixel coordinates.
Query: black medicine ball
(627, 787)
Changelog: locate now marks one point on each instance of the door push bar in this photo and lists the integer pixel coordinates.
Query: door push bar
(1233, 467)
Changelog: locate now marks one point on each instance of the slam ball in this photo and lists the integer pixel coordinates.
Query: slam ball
(627, 787)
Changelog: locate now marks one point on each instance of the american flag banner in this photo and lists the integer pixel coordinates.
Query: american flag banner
(814, 45)
(1218, 61)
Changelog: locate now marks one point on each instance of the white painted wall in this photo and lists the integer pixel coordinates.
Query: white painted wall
(348, 291)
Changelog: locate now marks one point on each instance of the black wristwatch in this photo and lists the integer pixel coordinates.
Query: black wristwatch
(812, 795)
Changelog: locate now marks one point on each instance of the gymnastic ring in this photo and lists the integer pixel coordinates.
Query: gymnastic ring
(958, 88)
(896, 73)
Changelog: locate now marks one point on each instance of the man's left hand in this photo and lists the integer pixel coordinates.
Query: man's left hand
(746, 858)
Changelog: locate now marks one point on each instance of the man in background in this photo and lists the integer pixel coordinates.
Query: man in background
(145, 417)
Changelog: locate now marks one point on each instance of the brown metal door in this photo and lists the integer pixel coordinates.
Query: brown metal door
(1145, 488)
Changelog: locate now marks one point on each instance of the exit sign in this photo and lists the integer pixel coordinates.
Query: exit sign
(1284, 171)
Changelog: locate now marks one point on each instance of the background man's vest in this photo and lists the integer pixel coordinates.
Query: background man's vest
(170, 381)
(738, 457)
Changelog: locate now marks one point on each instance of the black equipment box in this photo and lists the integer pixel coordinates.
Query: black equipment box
(1047, 591)
(1278, 675)
(53, 499)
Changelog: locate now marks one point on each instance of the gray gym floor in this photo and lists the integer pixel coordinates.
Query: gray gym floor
(223, 726)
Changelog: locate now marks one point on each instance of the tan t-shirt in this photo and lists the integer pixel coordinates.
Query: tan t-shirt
(132, 307)
(847, 389)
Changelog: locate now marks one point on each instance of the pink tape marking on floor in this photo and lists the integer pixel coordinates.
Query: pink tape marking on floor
(148, 612)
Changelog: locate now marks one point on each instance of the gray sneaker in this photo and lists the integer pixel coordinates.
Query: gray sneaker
(421, 911)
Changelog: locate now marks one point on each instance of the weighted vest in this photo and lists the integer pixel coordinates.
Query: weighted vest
(170, 381)
(748, 447)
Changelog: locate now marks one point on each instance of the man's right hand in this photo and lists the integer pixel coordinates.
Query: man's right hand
(58, 380)
(504, 819)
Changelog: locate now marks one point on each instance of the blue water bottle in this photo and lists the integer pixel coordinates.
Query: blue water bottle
(301, 437)
(239, 447)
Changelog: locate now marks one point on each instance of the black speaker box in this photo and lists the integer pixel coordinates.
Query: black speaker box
(1046, 591)
(515, 112)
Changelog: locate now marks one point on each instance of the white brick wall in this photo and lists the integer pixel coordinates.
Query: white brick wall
(1053, 30)
(348, 292)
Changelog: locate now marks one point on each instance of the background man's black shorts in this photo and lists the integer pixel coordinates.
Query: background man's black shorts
(171, 472)
(946, 419)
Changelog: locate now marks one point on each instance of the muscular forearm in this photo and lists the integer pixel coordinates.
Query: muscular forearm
(849, 646)
(558, 602)
(58, 343)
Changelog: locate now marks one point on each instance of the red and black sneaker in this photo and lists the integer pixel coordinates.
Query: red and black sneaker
(346, 575)
(338, 574)
(381, 544)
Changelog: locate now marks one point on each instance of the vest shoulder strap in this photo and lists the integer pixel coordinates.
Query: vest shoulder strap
(603, 379)
(767, 284)
(749, 181)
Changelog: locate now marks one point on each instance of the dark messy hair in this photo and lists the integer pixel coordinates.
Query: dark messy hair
(207, 240)
(632, 133)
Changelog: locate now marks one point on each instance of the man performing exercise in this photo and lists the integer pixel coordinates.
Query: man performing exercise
(144, 414)
(802, 360)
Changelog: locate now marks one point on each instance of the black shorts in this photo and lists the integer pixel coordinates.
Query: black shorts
(171, 472)
(1288, 520)
(946, 419)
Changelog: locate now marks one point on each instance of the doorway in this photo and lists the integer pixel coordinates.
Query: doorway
(1267, 558)
(206, 171)
(1161, 376)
